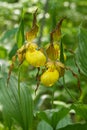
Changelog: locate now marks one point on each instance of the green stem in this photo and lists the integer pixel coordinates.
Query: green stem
(67, 90)
(52, 96)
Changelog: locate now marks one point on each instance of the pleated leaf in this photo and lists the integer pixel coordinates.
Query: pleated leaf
(81, 55)
(16, 109)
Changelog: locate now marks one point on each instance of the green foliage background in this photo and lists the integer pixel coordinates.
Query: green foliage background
(69, 108)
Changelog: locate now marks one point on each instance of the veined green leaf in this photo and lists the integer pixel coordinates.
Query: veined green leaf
(16, 109)
(81, 55)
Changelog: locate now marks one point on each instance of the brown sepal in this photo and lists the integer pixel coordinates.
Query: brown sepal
(55, 35)
(33, 32)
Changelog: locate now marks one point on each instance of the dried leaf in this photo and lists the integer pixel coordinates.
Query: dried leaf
(33, 32)
(56, 33)
(53, 51)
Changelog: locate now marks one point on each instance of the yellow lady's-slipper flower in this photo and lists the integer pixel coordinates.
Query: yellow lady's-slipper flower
(35, 57)
(49, 77)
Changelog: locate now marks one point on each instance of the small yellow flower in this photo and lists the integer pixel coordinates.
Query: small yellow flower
(49, 77)
(35, 58)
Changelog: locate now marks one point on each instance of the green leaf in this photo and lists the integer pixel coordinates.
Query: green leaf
(57, 116)
(75, 127)
(8, 34)
(17, 110)
(81, 109)
(44, 126)
(81, 55)
(64, 122)
(20, 33)
(44, 116)
(13, 51)
(53, 117)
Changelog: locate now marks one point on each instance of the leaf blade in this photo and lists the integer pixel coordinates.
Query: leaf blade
(16, 109)
(81, 54)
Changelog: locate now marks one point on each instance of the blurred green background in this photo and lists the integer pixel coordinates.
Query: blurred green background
(49, 13)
